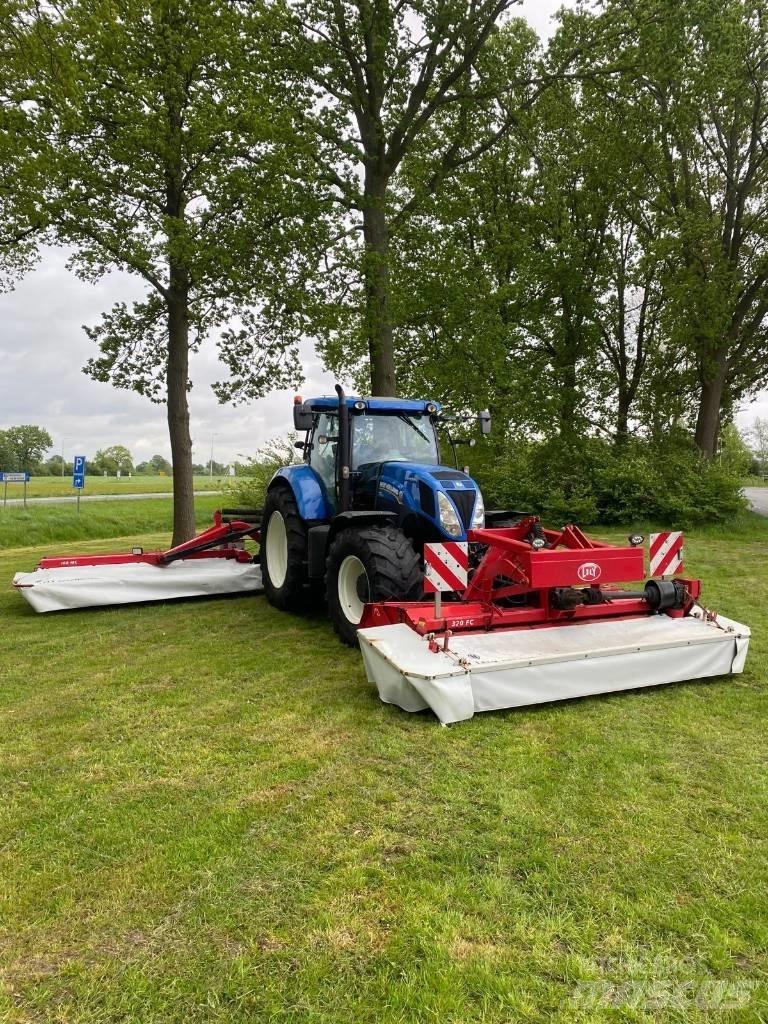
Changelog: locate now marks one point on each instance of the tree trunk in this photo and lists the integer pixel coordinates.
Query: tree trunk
(178, 406)
(567, 378)
(378, 323)
(622, 415)
(708, 418)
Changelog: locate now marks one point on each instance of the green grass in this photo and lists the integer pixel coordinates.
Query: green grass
(47, 524)
(59, 487)
(208, 815)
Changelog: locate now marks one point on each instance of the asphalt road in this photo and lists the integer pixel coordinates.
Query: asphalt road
(758, 499)
(99, 497)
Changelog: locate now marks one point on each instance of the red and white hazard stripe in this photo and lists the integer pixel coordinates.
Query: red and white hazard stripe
(666, 553)
(446, 566)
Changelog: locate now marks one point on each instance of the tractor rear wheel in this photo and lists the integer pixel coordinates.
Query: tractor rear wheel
(283, 551)
(374, 564)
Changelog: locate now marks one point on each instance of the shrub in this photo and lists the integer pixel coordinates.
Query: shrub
(595, 482)
(249, 488)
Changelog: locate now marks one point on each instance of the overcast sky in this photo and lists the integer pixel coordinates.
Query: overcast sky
(43, 349)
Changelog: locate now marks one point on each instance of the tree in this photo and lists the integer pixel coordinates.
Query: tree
(758, 436)
(21, 180)
(166, 159)
(112, 459)
(24, 446)
(699, 87)
(388, 79)
(159, 464)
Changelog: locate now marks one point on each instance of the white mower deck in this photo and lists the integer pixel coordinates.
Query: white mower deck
(505, 669)
(89, 586)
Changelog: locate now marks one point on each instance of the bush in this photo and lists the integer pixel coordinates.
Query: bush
(249, 488)
(593, 482)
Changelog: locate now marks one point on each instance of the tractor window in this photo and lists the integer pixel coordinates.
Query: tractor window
(322, 458)
(393, 437)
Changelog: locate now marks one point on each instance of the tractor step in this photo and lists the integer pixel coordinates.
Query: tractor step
(487, 671)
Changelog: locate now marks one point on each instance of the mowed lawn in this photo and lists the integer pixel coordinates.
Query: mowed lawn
(61, 487)
(208, 815)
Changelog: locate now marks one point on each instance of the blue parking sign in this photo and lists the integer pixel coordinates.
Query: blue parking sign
(78, 472)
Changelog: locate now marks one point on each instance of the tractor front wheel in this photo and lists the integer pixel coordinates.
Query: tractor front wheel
(283, 551)
(373, 564)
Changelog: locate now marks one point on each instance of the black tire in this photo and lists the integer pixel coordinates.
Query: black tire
(285, 590)
(392, 573)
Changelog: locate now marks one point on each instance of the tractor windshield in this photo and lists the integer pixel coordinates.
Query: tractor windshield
(393, 437)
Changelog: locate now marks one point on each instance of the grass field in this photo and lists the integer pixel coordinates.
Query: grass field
(47, 524)
(61, 487)
(207, 815)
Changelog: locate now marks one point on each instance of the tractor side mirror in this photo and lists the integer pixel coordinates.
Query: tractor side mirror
(302, 416)
(484, 419)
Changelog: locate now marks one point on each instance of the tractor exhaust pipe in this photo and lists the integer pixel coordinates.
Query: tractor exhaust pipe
(344, 498)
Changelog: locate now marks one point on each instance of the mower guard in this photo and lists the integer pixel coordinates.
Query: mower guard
(215, 562)
(515, 668)
(524, 633)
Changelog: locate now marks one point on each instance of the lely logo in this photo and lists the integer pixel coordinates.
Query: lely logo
(588, 572)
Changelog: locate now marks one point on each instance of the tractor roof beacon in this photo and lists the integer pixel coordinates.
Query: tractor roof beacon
(356, 513)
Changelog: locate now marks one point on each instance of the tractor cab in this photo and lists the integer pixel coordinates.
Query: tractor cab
(383, 454)
(355, 514)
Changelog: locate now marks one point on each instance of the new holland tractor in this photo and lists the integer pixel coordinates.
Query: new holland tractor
(355, 514)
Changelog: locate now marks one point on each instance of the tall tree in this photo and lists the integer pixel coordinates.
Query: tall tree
(389, 79)
(24, 446)
(700, 82)
(21, 181)
(115, 457)
(166, 159)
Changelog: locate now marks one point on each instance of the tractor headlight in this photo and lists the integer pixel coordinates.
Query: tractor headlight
(478, 516)
(449, 519)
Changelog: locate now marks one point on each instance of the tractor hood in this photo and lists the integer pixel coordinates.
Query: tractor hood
(414, 487)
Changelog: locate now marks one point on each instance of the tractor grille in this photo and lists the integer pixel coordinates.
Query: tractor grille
(449, 474)
(464, 502)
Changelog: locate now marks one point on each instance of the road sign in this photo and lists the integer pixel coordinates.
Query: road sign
(78, 472)
(78, 477)
(13, 478)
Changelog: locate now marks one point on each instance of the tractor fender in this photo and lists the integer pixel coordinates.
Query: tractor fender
(311, 499)
(356, 520)
(321, 536)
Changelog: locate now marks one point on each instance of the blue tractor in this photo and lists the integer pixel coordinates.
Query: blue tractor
(355, 514)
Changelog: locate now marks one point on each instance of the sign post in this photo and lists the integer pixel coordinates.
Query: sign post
(78, 477)
(14, 478)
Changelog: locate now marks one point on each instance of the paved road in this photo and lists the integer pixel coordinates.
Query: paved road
(99, 497)
(758, 499)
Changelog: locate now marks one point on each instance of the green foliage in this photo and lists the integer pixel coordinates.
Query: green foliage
(758, 438)
(735, 454)
(594, 482)
(116, 457)
(249, 488)
(22, 447)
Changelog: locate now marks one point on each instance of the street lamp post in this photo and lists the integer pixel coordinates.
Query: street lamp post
(210, 465)
(65, 438)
